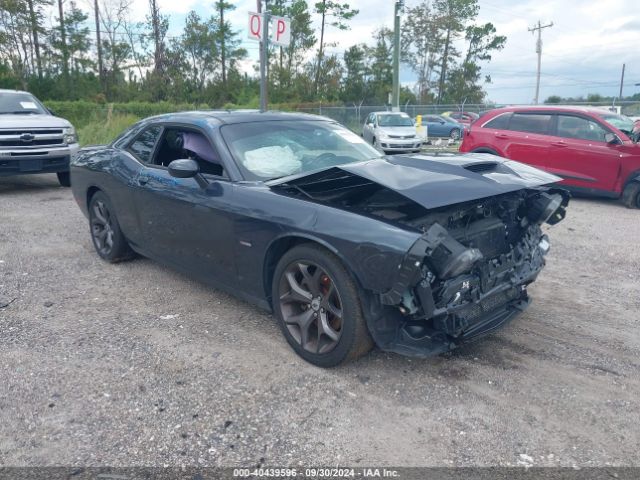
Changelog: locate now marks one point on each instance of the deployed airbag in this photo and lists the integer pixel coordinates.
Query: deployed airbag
(272, 161)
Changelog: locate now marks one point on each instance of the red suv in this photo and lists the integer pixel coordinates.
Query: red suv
(593, 150)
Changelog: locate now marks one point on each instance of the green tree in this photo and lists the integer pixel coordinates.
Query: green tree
(198, 43)
(464, 79)
(336, 15)
(452, 17)
(421, 44)
(354, 83)
(227, 42)
(380, 67)
(286, 69)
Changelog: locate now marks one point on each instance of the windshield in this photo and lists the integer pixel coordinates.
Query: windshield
(19, 103)
(269, 150)
(394, 121)
(625, 124)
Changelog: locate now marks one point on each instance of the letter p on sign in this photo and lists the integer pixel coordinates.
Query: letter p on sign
(280, 31)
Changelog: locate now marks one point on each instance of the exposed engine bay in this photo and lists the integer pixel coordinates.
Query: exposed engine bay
(467, 274)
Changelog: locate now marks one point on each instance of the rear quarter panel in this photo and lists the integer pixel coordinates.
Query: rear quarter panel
(114, 173)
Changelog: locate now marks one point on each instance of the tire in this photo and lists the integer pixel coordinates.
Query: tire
(64, 178)
(309, 285)
(631, 195)
(454, 134)
(107, 238)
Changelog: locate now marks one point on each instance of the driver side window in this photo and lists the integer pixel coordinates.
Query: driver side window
(178, 143)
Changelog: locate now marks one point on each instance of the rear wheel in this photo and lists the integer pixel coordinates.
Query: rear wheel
(106, 235)
(318, 307)
(455, 134)
(64, 178)
(631, 195)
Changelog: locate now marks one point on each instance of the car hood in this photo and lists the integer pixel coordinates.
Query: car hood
(430, 180)
(32, 121)
(402, 131)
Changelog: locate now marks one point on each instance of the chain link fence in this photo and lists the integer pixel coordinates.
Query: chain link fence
(354, 116)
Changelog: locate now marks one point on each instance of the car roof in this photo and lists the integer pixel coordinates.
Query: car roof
(225, 117)
(554, 108)
(8, 90)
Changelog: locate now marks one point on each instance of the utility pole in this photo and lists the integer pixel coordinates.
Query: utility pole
(622, 81)
(539, 28)
(99, 45)
(264, 50)
(395, 94)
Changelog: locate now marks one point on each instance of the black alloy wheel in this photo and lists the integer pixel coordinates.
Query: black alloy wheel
(311, 307)
(318, 306)
(106, 235)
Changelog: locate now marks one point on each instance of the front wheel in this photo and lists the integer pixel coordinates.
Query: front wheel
(318, 307)
(64, 178)
(631, 195)
(106, 235)
(455, 134)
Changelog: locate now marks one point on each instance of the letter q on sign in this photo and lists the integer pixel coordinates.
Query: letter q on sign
(255, 26)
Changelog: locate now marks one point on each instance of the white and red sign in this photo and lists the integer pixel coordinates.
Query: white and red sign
(255, 26)
(279, 29)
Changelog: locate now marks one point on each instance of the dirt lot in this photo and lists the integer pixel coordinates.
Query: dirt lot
(133, 364)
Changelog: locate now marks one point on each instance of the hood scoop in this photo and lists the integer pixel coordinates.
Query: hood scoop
(481, 167)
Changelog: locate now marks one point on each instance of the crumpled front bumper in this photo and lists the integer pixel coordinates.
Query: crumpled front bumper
(486, 299)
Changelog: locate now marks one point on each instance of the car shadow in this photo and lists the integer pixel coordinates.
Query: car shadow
(29, 183)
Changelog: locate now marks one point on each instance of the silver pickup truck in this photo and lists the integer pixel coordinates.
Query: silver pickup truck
(32, 139)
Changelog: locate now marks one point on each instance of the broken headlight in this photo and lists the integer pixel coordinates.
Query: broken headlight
(543, 207)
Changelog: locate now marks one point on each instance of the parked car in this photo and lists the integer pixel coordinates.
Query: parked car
(300, 216)
(465, 118)
(32, 139)
(439, 126)
(392, 132)
(593, 150)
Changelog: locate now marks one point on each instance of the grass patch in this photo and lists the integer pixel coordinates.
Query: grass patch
(99, 132)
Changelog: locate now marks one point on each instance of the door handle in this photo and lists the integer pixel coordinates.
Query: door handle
(501, 135)
(143, 179)
(559, 144)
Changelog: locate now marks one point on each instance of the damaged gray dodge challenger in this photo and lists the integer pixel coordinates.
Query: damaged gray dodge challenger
(416, 254)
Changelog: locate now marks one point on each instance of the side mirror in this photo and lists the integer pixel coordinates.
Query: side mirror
(187, 168)
(612, 139)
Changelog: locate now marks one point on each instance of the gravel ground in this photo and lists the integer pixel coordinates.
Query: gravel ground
(134, 364)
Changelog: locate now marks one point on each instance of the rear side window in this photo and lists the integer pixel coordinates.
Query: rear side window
(501, 122)
(531, 123)
(580, 128)
(142, 147)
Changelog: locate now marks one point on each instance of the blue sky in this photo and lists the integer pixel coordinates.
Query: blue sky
(582, 53)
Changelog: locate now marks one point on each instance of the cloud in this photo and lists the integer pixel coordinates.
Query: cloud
(582, 53)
